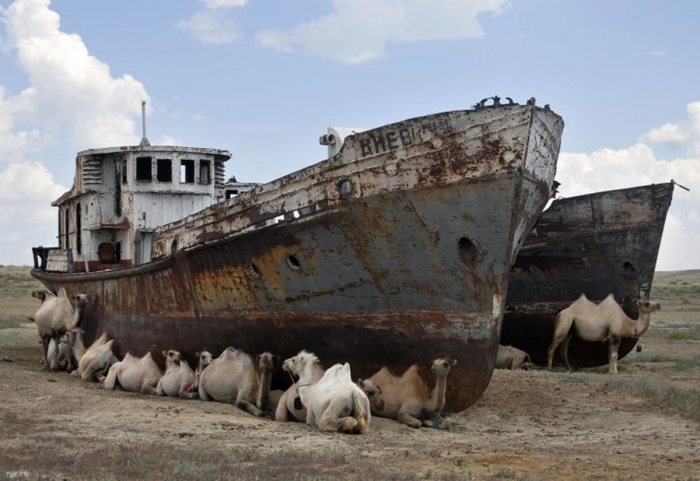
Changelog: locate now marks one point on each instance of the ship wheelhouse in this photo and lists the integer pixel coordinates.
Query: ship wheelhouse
(121, 195)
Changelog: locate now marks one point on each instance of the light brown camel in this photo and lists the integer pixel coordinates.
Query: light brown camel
(373, 392)
(235, 378)
(55, 316)
(96, 360)
(510, 357)
(334, 403)
(290, 403)
(135, 374)
(205, 358)
(408, 399)
(605, 322)
(178, 377)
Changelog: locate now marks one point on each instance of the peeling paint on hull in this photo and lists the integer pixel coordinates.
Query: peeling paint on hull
(593, 244)
(382, 276)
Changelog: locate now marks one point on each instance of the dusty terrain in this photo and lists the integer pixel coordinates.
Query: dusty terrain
(642, 424)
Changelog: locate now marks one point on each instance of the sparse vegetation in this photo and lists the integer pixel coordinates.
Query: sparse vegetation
(682, 336)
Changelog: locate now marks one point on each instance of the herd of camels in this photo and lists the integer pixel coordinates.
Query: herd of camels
(326, 399)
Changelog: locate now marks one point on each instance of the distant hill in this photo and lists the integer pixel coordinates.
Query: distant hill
(667, 276)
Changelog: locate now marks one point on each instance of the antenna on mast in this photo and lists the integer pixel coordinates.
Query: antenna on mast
(144, 140)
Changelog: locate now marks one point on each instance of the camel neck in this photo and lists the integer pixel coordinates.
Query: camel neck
(264, 390)
(437, 399)
(636, 329)
(78, 346)
(77, 314)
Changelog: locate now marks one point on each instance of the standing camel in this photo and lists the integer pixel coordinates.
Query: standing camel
(605, 322)
(56, 316)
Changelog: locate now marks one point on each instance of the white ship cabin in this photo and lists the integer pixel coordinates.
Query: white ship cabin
(232, 188)
(121, 194)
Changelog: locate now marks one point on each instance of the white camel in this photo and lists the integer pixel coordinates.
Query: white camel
(334, 403)
(178, 377)
(233, 377)
(605, 322)
(290, 403)
(96, 360)
(205, 358)
(136, 374)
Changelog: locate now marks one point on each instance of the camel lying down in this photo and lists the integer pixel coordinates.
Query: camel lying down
(334, 403)
(178, 377)
(135, 374)
(96, 360)
(235, 378)
(408, 399)
(510, 357)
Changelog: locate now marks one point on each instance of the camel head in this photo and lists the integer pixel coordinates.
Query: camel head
(442, 365)
(296, 364)
(172, 358)
(81, 300)
(267, 361)
(373, 392)
(646, 306)
(72, 335)
(205, 358)
(41, 295)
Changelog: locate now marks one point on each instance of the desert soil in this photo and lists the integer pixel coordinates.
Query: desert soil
(641, 424)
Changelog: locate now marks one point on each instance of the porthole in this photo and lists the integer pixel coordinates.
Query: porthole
(254, 270)
(173, 247)
(345, 188)
(293, 262)
(468, 250)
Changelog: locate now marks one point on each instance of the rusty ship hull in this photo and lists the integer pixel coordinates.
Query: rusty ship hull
(596, 244)
(393, 251)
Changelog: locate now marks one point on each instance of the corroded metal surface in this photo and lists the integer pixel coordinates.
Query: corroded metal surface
(593, 244)
(408, 261)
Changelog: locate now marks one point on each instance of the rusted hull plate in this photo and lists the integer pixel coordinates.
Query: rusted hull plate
(593, 244)
(380, 278)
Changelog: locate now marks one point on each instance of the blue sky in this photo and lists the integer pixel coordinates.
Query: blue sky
(264, 78)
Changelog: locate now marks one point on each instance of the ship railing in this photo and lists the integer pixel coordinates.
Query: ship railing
(41, 256)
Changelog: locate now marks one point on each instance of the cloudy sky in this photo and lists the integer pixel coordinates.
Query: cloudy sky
(264, 78)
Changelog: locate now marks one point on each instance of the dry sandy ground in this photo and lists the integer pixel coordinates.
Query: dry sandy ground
(528, 425)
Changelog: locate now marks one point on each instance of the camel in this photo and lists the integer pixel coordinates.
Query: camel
(205, 358)
(233, 377)
(96, 360)
(178, 377)
(510, 357)
(66, 359)
(408, 398)
(605, 322)
(334, 403)
(55, 316)
(136, 374)
(290, 403)
(373, 392)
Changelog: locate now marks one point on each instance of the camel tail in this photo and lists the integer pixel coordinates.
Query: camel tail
(362, 416)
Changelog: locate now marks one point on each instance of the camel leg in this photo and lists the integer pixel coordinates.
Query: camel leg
(159, 389)
(249, 407)
(613, 352)
(111, 379)
(282, 413)
(45, 340)
(406, 418)
(331, 422)
(149, 390)
(562, 326)
(564, 351)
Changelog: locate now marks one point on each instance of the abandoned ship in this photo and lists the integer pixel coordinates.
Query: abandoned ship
(593, 244)
(395, 249)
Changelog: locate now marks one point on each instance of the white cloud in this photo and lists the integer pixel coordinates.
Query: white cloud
(168, 140)
(68, 87)
(359, 30)
(67, 83)
(687, 131)
(213, 4)
(212, 27)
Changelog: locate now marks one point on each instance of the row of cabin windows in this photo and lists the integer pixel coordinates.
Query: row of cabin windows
(164, 170)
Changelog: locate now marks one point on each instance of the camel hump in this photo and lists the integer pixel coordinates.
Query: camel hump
(62, 293)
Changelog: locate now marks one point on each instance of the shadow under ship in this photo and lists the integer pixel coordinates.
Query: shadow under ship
(595, 244)
(393, 251)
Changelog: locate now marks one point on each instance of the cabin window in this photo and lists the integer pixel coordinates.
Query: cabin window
(143, 169)
(187, 171)
(78, 229)
(204, 172)
(118, 189)
(60, 227)
(124, 178)
(231, 193)
(165, 170)
(66, 240)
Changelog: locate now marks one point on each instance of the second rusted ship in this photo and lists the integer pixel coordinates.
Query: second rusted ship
(394, 250)
(594, 244)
